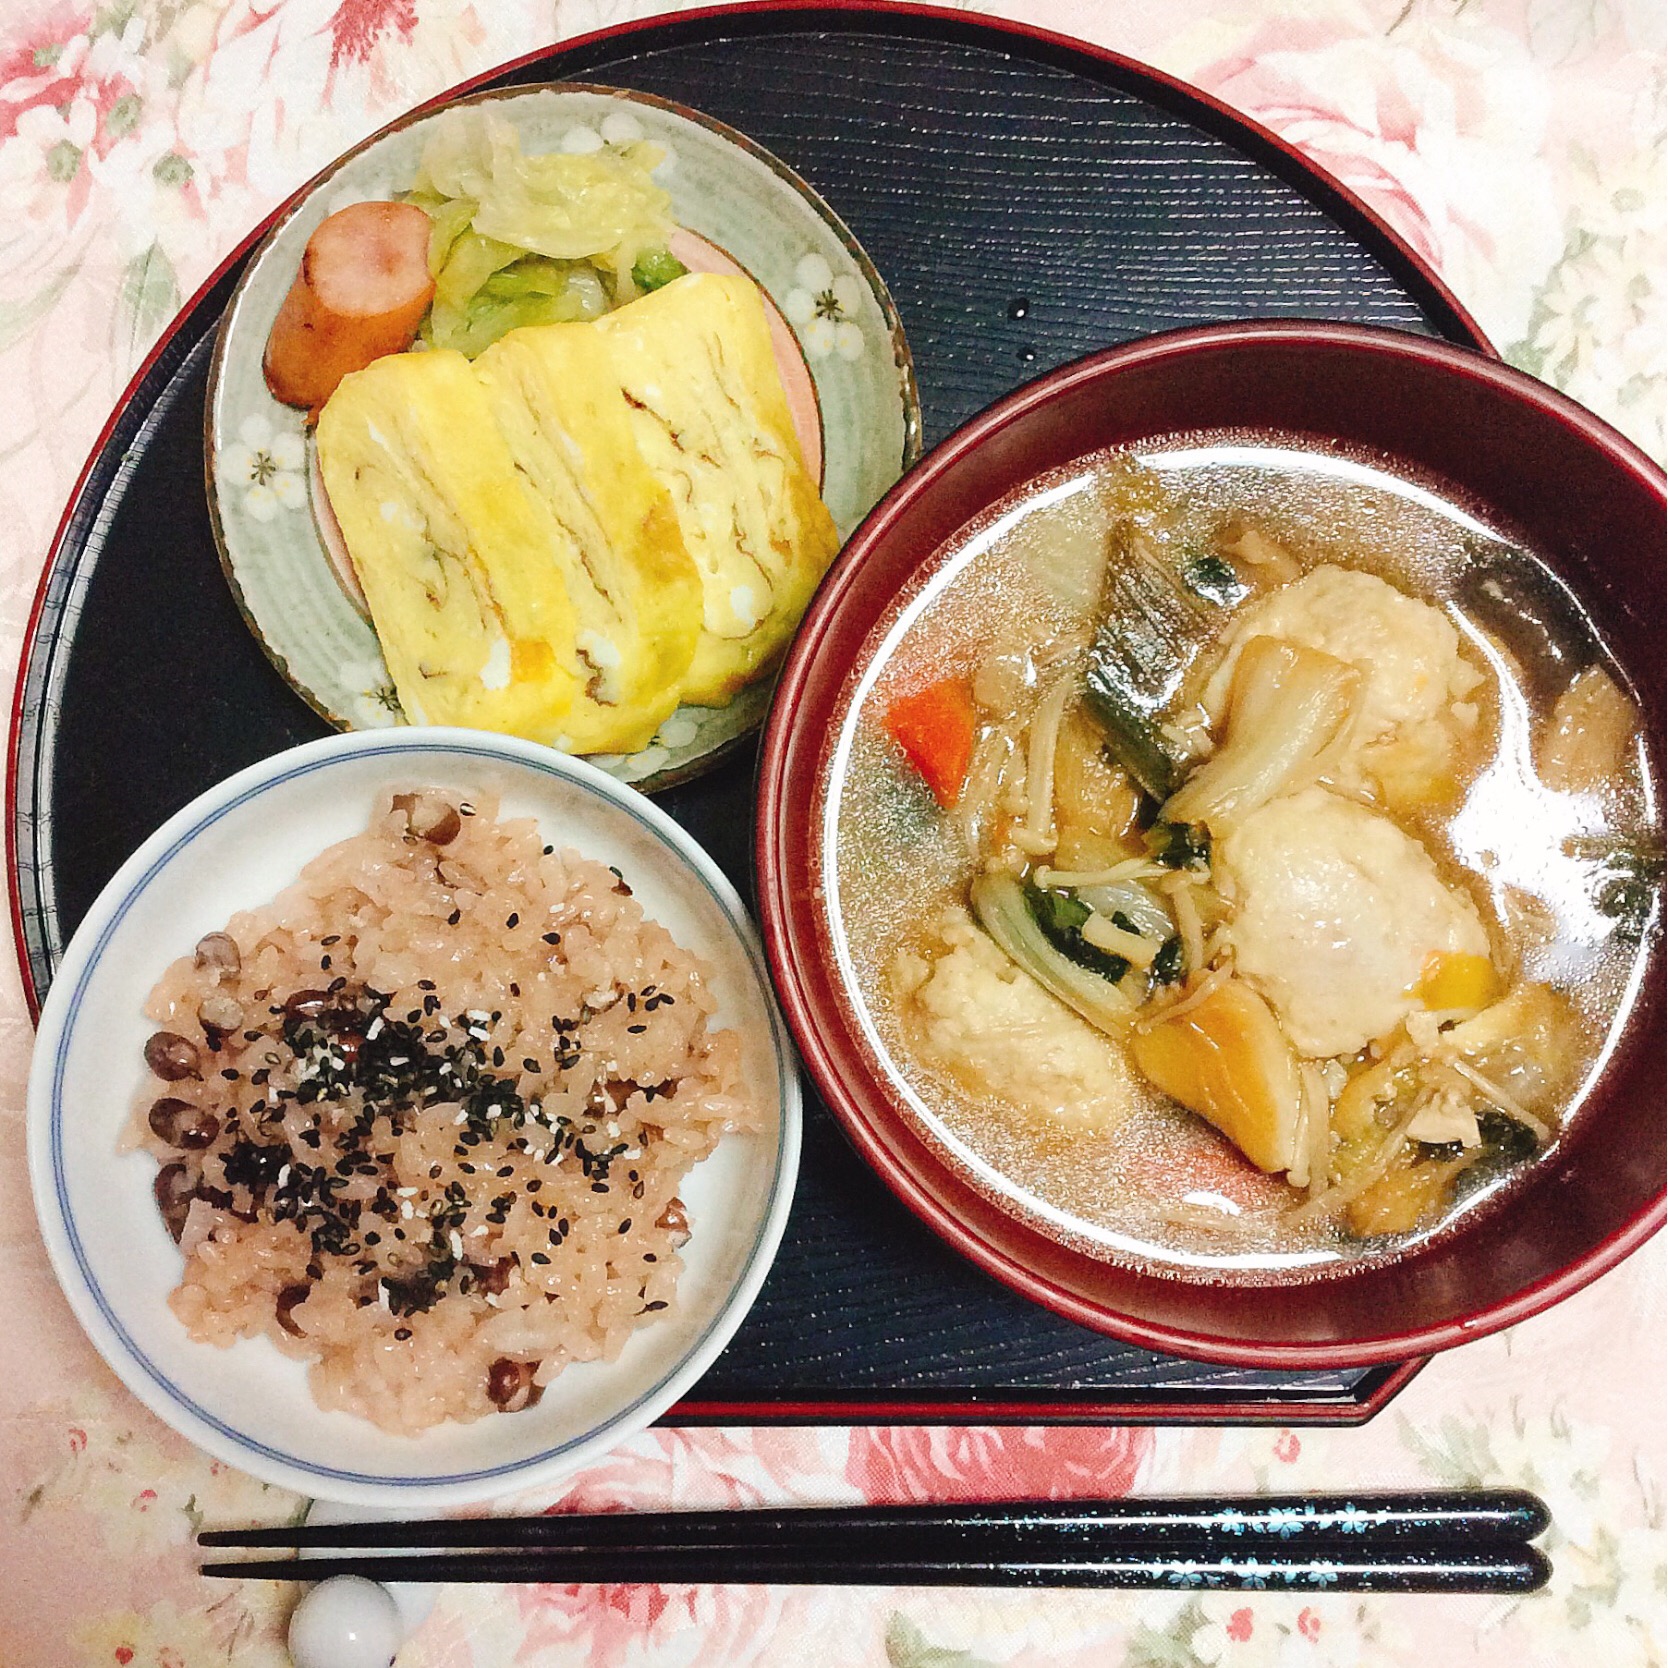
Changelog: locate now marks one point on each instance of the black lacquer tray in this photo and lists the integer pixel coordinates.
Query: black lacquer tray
(1027, 200)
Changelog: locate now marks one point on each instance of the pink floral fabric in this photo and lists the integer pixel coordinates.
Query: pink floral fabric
(1519, 146)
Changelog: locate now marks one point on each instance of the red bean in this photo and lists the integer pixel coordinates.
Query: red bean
(675, 1220)
(510, 1385)
(217, 952)
(172, 1056)
(173, 1190)
(306, 1004)
(493, 1277)
(218, 1013)
(429, 817)
(181, 1124)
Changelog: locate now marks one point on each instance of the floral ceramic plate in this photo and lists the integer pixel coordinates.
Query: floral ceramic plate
(839, 346)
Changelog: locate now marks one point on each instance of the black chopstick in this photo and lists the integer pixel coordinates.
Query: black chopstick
(1046, 1526)
(1504, 1567)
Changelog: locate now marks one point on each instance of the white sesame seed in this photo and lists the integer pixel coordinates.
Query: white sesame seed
(406, 1210)
(374, 1029)
(405, 1192)
(283, 1175)
(457, 1244)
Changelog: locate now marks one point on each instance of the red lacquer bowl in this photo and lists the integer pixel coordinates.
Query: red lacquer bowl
(1541, 468)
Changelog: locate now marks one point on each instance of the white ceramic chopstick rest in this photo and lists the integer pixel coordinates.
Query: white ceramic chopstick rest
(346, 1622)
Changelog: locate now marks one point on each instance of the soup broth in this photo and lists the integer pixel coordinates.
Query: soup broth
(1241, 859)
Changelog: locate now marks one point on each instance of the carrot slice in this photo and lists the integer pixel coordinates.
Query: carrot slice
(934, 726)
(362, 290)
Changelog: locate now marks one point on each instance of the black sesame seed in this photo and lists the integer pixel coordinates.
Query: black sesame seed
(552, 938)
(540, 1257)
(513, 919)
(625, 1226)
(649, 1308)
(453, 919)
(636, 1030)
(404, 1332)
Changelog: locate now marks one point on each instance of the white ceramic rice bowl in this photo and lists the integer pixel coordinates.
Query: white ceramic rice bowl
(236, 847)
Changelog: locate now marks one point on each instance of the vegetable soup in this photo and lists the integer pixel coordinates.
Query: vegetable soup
(1242, 858)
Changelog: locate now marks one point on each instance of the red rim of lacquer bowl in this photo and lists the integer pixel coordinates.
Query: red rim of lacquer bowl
(893, 546)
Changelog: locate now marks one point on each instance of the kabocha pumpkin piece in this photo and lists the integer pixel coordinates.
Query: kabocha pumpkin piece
(694, 363)
(1227, 1059)
(614, 534)
(452, 550)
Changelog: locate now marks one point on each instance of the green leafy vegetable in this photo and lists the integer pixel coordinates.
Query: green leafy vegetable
(1630, 876)
(1214, 578)
(1170, 962)
(655, 268)
(1179, 845)
(1061, 916)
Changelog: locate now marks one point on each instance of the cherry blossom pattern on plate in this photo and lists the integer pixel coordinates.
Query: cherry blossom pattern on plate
(263, 468)
(617, 130)
(823, 307)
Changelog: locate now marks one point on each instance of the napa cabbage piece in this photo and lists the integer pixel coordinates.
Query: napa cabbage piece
(1003, 910)
(544, 239)
(1287, 707)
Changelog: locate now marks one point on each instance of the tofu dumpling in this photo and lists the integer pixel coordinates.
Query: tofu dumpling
(695, 364)
(1337, 918)
(997, 1032)
(1407, 652)
(452, 552)
(613, 532)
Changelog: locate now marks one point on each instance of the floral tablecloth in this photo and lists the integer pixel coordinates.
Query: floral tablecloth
(1519, 145)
